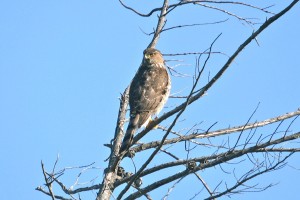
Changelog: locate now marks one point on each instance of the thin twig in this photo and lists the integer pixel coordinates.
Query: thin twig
(195, 97)
(204, 183)
(241, 182)
(218, 159)
(190, 25)
(47, 193)
(47, 183)
(160, 24)
(219, 132)
(181, 3)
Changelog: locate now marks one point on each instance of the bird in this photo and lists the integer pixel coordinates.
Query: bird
(148, 92)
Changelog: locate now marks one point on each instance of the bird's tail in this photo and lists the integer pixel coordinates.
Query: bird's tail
(131, 129)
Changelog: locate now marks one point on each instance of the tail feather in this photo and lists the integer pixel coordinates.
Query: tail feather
(131, 129)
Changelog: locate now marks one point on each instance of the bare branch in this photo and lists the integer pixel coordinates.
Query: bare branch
(78, 190)
(193, 53)
(219, 132)
(48, 183)
(47, 193)
(195, 97)
(170, 189)
(190, 25)
(228, 13)
(171, 126)
(160, 24)
(239, 137)
(109, 179)
(204, 183)
(230, 2)
(138, 13)
(247, 178)
(181, 3)
(278, 150)
(209, 161)
(268, 146)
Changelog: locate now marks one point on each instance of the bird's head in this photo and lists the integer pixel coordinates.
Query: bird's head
(152, 56)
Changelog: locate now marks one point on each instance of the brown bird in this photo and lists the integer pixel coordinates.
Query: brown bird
(148, 93)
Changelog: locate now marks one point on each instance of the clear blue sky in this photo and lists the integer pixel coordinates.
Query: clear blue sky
(63, 65)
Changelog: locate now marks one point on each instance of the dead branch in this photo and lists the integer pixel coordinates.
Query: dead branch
(193, 53)
(219, 132)
(195, 97)
(190, 25)
(171, 126)
(48, 193)
(228, 13)
(181, 3)
(110, 175)
(247, 178)
(207, 162)
(47, 182)
(192, 165)
(160, 24)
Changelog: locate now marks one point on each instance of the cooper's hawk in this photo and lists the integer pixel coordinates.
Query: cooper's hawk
(148, 92)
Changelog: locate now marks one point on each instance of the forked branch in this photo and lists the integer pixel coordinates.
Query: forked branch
(200, 93)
